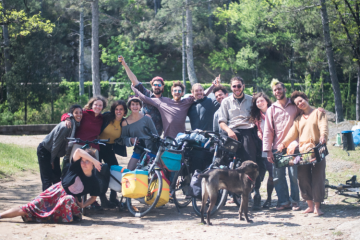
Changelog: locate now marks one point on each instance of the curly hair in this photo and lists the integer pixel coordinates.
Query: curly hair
(178, 84)
(296, 94)
(220, 88)
(90, 103)
(255, 111)
(114, 106)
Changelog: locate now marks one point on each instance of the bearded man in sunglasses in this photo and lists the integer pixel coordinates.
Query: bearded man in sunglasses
(234, 119)
(157, 85)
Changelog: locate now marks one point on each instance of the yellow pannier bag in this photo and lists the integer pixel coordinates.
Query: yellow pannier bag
(153, 190)
(134, 184)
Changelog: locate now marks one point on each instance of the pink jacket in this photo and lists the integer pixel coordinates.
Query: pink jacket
(278, 122)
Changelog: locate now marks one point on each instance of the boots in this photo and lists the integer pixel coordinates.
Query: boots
(257, 200)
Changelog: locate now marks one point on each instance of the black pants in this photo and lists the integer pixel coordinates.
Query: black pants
(49, 176)
(107, 155)
(262, 170)
(249, 145)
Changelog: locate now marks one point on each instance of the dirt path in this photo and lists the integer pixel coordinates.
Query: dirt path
(167, 223)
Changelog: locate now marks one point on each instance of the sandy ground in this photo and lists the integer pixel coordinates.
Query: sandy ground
(341, 219)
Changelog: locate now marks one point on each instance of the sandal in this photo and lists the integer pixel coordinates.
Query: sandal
(283, 207)
(267, 204)
(230, 201)
(295, 207)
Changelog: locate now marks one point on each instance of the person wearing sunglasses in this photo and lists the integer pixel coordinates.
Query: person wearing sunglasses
(173, 111)
(157, 85)
(234, 119)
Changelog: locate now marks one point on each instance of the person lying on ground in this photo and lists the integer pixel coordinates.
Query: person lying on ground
(53, 147)
(59, 203)
(157, 86)
(311, 125)
(173, 111)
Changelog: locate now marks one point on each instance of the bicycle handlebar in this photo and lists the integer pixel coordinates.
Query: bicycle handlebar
(95, 141)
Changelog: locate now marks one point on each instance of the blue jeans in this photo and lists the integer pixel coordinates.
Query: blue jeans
(281, 187)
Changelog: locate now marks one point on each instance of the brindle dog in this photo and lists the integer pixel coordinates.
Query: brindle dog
(238, 181)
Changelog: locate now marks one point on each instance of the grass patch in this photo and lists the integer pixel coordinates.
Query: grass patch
(338, 153)
(15, 159)
(338, 233)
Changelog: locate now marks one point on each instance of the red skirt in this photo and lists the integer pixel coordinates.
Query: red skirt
(53, 205)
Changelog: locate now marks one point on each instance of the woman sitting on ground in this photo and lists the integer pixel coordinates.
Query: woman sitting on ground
(133, 129)
(310, 127)
(260, 104)
(59, 203)
(54, 146)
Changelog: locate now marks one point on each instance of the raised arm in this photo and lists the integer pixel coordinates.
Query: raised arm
(209, 90)
(80, 153)
(130, 74)
(145, 99)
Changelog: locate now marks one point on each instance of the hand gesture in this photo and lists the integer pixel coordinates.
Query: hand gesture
(97, 165)
(216, 82)
(260, 135)
(121, 60)
(132, 140)
(322, 139)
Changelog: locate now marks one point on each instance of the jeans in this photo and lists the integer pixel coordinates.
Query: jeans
(281, 186)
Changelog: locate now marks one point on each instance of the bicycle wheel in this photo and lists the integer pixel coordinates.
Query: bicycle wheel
(181, 192)
(139, 207)
(222, 197)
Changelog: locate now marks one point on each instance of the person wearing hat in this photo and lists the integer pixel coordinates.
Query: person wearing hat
(133, 130)
(157, 85)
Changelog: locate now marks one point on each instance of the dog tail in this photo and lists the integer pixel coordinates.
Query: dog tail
(204, 175)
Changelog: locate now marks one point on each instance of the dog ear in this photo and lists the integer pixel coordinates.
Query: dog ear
(242, 168)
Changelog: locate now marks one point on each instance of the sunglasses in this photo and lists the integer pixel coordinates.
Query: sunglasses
(157, 85)
(177, 91)
(237, 86)
(134, 96)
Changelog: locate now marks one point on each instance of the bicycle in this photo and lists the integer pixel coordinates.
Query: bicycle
(350, 185)
(229, 147)
(155, 167)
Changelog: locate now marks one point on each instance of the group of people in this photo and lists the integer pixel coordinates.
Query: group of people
(262, 126)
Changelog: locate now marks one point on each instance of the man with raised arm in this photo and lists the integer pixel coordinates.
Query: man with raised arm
(201, 112)
(173, 111)
(157, 85)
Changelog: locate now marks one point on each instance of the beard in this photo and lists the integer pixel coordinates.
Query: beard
(282, 96)
(158, 91)
(238, 96)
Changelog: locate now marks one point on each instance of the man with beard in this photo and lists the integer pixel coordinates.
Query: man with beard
(220, 93)
(202, 111)
(173, 111)
(278, 121)
(234, 119)
(157, 84)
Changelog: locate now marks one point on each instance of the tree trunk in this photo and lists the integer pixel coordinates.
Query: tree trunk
(95, 48)
(331, 63)
(183, 50)
(25, 103)
(290, 70)
(189, 46)
(155, 6)
(358, 96)
(81, 53)
(210, 16)
(7, 61)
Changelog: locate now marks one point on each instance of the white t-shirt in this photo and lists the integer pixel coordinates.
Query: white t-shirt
(262, 126)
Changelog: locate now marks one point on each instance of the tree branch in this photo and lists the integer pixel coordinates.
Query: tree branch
(352, 12)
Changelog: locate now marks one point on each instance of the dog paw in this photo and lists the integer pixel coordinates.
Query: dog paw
(203, 222)
(209, 224)
(250, 221)
(242, 219)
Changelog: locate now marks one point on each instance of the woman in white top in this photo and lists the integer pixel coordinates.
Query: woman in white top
(260, 103)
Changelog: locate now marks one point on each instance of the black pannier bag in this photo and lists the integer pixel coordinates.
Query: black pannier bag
(200, 158)
(195, 185)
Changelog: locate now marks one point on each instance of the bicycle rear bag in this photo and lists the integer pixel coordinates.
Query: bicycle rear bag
(134, 184)
(153, 189)
(171, 160)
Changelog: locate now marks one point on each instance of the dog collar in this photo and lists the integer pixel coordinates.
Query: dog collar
(250, 178)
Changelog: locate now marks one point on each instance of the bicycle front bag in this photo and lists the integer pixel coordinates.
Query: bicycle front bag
(171, 160)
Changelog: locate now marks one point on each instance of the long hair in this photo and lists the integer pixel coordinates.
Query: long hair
(112, 109)
(90, 103)
(255, 111)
